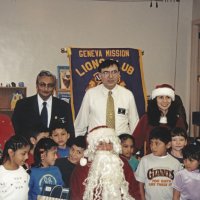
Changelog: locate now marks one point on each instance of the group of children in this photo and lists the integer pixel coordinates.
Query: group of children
(171, 171)
(41, 158)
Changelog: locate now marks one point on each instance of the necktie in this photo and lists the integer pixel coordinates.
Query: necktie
(44, 114)
(110, 111)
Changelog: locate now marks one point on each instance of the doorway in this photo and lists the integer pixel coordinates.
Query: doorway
(195, 77)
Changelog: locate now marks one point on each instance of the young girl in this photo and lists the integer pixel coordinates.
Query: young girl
(128, 147)
(44, 172)
(186, 183)
(13, 177)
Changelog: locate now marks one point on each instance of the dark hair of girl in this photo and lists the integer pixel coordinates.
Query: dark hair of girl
(14, 143)
(123, 137)
(42, 146)
(154, 113)
(192, 151)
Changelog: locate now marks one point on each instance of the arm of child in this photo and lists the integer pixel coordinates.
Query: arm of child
(142, 192)
(176, 194)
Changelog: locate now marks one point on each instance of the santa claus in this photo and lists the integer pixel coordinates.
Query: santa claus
(104, 175)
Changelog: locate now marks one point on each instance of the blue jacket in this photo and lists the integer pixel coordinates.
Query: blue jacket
(40, 176)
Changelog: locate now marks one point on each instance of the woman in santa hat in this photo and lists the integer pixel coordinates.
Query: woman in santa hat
(162, 110)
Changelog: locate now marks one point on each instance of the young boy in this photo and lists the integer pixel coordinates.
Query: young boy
(155, 171)
(128, 148)
(66, 165)
(60, 135)
(179, 141)
(34, 136)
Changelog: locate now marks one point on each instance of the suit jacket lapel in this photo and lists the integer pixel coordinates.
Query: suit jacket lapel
(53, 107)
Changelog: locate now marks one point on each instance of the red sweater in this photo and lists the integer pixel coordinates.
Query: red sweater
(80, 173)
(143, 129)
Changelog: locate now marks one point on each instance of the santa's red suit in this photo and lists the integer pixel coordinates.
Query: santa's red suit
(80, 173)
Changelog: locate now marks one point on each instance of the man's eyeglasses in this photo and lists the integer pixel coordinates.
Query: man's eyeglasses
(109, 73)
(44, 85)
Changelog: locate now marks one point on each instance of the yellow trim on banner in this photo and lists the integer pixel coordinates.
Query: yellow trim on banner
(142, 77)
(69, 53)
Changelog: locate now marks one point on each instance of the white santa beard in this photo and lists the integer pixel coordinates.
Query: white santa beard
(106, 179)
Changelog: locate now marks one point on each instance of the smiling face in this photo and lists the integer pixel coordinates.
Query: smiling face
(109, 76)
(164, 103)
(178, 142)
(49, 157)
(75, 154)
(45, 86)
(158, 147)
(19, 156)
(127, 148)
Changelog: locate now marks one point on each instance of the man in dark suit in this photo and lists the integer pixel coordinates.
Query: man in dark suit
(42, 109)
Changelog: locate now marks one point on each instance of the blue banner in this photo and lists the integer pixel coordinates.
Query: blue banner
(84, 73)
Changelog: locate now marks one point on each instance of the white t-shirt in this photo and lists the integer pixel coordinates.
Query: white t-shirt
(13, 184)
(157, 173)
(93, 110)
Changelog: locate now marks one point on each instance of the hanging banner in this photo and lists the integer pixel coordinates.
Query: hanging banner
(84, 73)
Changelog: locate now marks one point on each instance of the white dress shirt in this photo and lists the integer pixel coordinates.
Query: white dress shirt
(48, 105)
(93, 110)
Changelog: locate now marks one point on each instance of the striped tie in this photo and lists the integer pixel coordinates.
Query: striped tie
(110, 111)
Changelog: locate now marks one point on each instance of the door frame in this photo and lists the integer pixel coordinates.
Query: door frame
(194, 93)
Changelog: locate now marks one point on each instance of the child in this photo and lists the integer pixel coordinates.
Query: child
(66, 165)
(128, 147)
(13, 177)
(34, 136)
(60, 135)
(186, 183)
(156, 171)
(44, 172)
(179, 141)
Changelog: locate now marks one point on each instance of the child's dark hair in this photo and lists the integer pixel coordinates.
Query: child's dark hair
(57, 124)
(42, 146)
(192, 151)
(123, 137)
(14, 143)
(35, 132)
(161, 133)
(177, 131)
(79, 141)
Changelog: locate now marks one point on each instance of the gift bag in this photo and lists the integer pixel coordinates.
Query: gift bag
(54, 192)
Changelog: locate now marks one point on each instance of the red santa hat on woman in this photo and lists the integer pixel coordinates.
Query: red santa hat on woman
(163, 90)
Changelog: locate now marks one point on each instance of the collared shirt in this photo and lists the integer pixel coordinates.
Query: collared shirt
(48, 105)
(93, 110)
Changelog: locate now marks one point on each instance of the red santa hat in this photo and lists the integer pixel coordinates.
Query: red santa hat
(163, 90)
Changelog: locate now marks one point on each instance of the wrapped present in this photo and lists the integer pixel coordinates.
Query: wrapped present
(54, 192)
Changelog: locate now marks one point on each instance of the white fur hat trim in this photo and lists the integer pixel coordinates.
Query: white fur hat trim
(163, 92)
(163, 120)
(83, 161)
